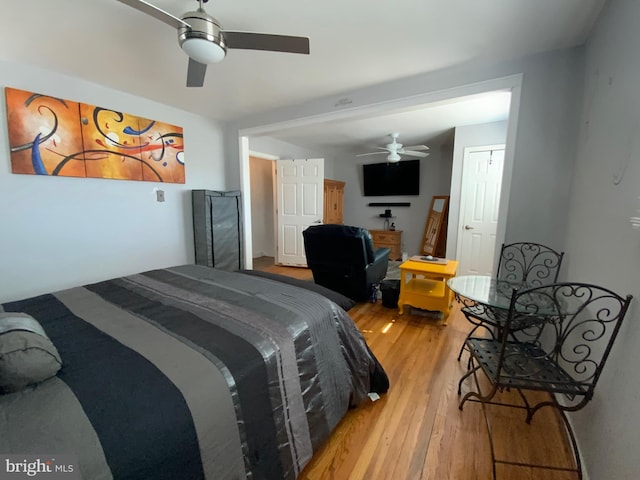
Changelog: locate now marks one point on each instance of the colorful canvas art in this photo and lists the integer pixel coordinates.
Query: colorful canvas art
(53, 136)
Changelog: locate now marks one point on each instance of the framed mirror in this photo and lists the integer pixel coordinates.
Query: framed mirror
(434, 240)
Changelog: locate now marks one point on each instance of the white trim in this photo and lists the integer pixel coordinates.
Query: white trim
(266, 156)
(507, 172)
(245, 189)
(274, 203)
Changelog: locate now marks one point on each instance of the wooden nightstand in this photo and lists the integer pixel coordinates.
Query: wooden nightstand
(391, 239)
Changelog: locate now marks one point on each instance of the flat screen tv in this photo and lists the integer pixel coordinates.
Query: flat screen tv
(384, 179)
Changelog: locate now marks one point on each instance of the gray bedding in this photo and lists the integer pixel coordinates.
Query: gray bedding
(187, 373)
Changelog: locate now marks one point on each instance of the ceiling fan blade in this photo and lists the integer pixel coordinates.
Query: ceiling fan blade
(195, 73)
(417, 147)
(414, 153)
(265, 41)
(156, 13)
(372, 153)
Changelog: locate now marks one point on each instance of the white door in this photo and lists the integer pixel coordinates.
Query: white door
(300, 191)
(479, 207)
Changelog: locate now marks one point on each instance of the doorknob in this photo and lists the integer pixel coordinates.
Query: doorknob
(467, 227)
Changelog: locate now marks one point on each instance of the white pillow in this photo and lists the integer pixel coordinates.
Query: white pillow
(27, 355)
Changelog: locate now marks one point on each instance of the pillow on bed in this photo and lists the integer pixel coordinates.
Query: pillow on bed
(27, 355)
(345, 302)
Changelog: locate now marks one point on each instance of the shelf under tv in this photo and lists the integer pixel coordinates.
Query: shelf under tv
(389, 204)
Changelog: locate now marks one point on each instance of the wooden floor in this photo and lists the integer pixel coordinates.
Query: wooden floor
(416, 431)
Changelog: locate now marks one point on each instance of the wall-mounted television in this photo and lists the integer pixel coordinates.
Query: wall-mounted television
(384, 179)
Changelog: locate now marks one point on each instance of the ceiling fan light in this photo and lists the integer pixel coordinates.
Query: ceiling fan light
(393, 157)
(203, 51)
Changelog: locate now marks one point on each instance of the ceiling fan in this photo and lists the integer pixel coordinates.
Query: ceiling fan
(205, 41)
(395, 149)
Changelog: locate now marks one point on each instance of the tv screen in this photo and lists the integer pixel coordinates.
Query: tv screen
(384, 179)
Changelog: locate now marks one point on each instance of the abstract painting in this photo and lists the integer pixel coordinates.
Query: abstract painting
(53, 136)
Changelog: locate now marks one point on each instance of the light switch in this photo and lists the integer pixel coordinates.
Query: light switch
(160, 195)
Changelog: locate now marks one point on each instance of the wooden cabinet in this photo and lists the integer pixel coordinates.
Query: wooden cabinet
(388, 238)
(333, 199)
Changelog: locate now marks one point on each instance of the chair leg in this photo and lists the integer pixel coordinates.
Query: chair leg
(471, 332)
(560, 410)
(478, 395)
(526, 405)
(465, 376)
(574, 443)
(570, 434)
(554, 403)
(462, 347)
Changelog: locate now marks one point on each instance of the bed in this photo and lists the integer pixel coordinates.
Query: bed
(185, 373)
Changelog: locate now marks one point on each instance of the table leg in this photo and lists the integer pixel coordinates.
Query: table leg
(448, 295)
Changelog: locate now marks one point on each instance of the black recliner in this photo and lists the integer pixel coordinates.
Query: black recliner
(343, 259)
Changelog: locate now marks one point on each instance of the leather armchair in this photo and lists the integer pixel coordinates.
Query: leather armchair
(343, 259)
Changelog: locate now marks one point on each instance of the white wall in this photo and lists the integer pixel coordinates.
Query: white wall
(59, 232)
(601, 246)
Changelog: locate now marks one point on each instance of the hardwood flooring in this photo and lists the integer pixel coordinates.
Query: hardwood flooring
(416, 431)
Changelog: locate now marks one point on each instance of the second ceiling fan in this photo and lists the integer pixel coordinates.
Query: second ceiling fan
(205, 41)
(394, 150)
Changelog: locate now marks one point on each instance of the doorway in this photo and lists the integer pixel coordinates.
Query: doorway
(479, 209)
(285, 197)
(385, 106)
(299, 195)
(262, 173)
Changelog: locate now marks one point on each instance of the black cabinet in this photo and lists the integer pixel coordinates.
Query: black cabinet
(217, 229)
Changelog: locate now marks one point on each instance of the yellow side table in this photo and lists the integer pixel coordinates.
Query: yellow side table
(424, 285)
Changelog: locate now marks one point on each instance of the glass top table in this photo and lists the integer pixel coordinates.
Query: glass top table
(491, 292)
(484, 289)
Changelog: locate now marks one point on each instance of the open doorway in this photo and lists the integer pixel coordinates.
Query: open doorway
(511, 84)
(285, 197)
(261, 173)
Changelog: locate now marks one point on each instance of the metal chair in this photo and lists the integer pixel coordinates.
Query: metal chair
(556, 339)
(522, 263)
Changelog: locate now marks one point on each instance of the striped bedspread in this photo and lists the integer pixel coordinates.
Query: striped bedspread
(188, 373)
